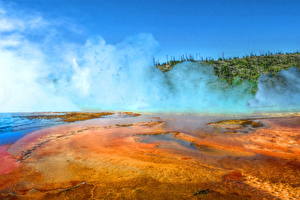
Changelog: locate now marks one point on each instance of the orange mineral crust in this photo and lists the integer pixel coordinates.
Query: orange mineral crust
(156, 157)
(7, 162)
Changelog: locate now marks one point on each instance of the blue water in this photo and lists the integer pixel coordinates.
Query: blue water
(14, 126)
(165, 138)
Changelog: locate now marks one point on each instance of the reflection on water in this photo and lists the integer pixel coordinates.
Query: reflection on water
(13, 126)
(166, 141)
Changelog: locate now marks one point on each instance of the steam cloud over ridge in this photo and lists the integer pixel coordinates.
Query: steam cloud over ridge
(50, 73)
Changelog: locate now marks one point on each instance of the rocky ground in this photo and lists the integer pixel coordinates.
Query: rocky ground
(156, 157)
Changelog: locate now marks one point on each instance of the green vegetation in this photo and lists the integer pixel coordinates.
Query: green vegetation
(235, 70)
(69, 116)
(169, 64)
(76, 116)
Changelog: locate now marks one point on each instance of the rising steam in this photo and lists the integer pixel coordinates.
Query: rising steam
(51, 73)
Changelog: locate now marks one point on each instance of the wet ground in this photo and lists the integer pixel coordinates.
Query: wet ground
(157, 156)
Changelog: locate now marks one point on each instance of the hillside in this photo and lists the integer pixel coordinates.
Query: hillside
(248, 68)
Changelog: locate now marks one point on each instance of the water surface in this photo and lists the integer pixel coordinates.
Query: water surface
(14, 126)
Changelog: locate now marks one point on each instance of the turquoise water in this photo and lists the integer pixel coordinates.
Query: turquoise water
(14, 126)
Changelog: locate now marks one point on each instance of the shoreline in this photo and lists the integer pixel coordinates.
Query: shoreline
(156, 157)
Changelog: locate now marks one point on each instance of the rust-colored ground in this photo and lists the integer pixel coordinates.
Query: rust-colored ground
(156, 157)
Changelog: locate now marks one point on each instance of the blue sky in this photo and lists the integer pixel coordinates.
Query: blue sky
(71, 54)
(211, 28)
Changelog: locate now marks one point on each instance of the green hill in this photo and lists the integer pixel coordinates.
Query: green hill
(248, 68)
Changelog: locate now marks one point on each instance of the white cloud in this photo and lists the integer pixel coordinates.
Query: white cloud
(50, 74)
(7, 24)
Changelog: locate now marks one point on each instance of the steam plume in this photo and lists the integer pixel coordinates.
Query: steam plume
(51, 73)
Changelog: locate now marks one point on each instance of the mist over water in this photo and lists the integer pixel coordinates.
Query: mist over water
(41, 70)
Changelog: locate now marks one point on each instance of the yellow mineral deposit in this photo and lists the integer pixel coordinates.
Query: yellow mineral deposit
(146, 157)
